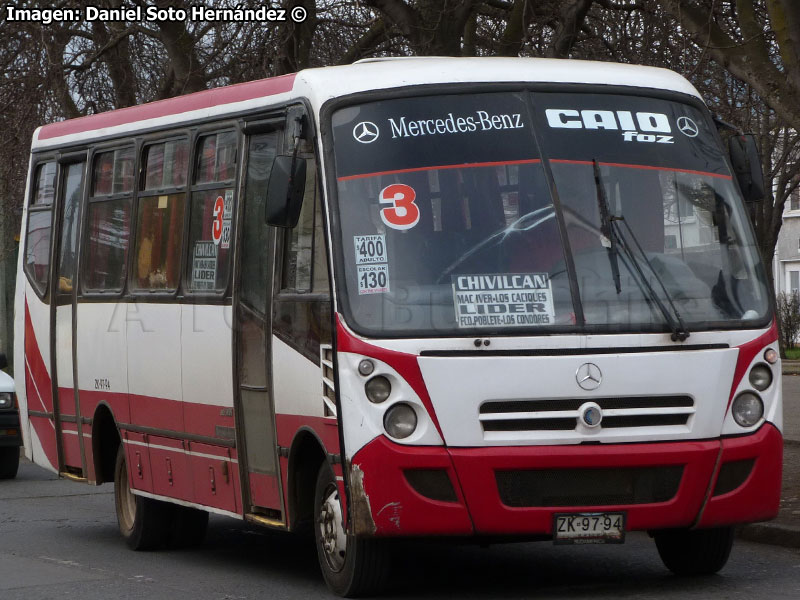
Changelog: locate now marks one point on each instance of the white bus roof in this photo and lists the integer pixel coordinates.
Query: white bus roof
(322, 84)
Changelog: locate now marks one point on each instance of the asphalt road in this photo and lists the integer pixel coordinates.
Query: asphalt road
(59, 539)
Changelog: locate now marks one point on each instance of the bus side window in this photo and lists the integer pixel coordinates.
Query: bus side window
(109, 221)
(212, 209)
(40, 221)
(305, 267)
(301, 315)
(160, 211)
(70, 224)
(256, 268)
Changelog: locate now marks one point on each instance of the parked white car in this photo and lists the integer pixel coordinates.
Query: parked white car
(10, 435)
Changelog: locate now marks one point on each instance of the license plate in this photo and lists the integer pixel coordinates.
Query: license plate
(589, 528)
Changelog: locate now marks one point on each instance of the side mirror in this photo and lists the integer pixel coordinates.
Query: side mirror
(287, 183)
(747, 166)
(3, 361)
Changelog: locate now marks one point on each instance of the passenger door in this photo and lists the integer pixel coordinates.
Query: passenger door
(68, 416)
(258, 455)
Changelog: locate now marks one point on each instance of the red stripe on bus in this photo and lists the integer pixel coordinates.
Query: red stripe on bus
(172, 106)
(37, 381)
(527, 161)
(38, 385)
(645, 167)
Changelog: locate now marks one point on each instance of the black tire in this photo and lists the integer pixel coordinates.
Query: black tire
(9, 462)
(698, 552)
(361, 566)
(143, 522)
(188, 528)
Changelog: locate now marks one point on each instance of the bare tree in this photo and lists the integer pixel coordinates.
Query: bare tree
(757, 41)
(789, 316)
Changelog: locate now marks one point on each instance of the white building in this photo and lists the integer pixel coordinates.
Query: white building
(786, 263)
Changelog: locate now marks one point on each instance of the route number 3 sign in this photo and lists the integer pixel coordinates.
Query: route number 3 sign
(403, 213)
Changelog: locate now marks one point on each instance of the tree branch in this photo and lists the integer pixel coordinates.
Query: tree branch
(569, 25)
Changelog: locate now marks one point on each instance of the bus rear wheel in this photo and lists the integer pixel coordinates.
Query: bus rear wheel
(143, 522)
(697, 552)
(351, 566)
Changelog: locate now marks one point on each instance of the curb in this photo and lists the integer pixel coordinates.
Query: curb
(776, 534)
(790, 367)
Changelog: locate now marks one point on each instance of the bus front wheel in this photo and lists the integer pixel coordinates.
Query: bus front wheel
(351, 566)
(697, 552)
(9, 462)
(143, 522)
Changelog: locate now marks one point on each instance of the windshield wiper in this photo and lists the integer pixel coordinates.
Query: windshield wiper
(605, 227)
(614, 235)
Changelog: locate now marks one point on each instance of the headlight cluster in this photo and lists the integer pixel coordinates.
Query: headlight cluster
(400, 419)
(6, 400)
(748, 408)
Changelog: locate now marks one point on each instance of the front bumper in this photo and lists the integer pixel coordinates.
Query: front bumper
(10, 433)
(477, 506)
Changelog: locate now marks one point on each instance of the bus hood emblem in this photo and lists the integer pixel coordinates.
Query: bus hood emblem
(589, 376)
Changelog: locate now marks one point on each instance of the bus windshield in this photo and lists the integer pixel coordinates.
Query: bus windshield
(534, 212)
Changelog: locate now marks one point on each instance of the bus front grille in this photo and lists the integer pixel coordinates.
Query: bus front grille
(588, 487)
(565, 414)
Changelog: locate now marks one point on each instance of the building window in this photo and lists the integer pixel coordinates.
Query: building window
(794, 281)
(794, 200)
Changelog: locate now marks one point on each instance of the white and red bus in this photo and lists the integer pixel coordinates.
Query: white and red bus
(498, 298)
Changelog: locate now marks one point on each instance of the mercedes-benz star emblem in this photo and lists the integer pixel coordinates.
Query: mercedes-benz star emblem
(589, 376)
(366, 132)
(688, 127)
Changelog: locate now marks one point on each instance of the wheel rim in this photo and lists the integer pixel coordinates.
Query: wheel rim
(127, 501)
(332, 537)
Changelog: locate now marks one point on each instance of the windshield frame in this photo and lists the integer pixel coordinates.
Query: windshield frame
(335, 231)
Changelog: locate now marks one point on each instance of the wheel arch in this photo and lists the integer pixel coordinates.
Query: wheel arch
(105, 441)
(306, 454)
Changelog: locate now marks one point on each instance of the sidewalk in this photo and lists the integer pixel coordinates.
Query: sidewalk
(785, 529)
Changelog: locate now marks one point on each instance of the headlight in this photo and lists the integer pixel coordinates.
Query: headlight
(761, 377)
(378, 389)
(747, 409)
(400, 421)
(6, 400)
